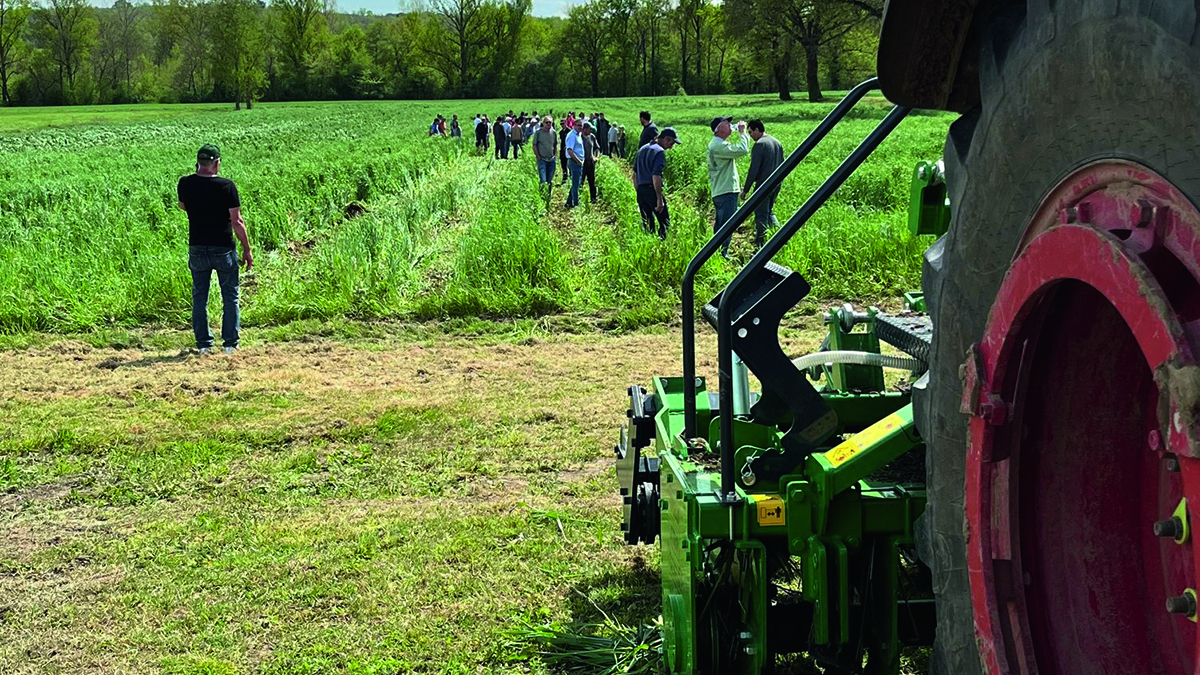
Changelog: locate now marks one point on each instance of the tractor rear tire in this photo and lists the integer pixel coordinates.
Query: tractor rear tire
(1063, 83)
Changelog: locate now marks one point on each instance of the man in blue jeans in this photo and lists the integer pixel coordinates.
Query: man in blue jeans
(574, 147)
(545, 148)
(722, 172)
(214, 213)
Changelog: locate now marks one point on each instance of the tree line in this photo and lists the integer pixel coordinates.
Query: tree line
(55, 52)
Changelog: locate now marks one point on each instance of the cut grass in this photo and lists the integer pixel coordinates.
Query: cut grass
(389, 503)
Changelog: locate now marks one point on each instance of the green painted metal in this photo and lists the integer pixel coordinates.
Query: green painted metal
(843, 336)
(929, 202)
(914, 301)
(827, 518)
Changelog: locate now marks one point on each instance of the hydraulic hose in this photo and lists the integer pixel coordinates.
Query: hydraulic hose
(858, 359)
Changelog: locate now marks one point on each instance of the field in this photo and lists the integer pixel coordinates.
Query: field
(90, 237)
(408, 463)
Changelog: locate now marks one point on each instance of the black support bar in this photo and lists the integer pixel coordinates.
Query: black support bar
(709, 249)
(785, 234)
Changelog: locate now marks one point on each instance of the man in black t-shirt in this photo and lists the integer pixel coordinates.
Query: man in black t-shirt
(649, 131)
(214, 213)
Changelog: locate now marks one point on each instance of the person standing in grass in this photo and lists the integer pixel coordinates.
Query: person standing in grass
(722, 172)
(481, 133)
(602, 127)
(455, 130)
(214, 213)
(562, 149)
(766, 156)
(649, 131)
(545, 149)
(591, 150)
(516, 134)
(498, 135)
(575, 152)
(648, 182)
(613, 131)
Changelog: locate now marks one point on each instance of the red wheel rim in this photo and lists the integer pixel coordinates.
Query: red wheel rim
(1083, 395)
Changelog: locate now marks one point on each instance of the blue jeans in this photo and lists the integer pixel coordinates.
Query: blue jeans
(546, 170)
(202, 261)
(576, 179)
(726, 205)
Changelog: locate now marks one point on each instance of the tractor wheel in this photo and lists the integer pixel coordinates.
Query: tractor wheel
(1065, 298)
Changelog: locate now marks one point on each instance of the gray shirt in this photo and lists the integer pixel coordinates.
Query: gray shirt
(765, 157)
(545, 143)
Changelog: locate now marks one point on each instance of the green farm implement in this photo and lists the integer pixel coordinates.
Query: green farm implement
(1023, 505)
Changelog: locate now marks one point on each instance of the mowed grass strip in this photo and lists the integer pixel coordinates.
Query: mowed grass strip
(374, 506)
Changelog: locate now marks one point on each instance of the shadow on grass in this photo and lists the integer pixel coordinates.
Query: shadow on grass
(115, 363)
(630, 596)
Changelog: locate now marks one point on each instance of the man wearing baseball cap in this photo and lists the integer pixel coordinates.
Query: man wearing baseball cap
(648, 182)
(722, 171)
(214, 213)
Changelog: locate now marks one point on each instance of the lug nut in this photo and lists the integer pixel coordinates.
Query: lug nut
(1182, 604)
(1171, 528)
(1173, 464)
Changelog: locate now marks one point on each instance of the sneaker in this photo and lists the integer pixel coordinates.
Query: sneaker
(205, 351)
(230, 350)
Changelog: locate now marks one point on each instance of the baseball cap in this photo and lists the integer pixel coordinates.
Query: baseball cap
(208, 152)
(717, 122)
(669, 132)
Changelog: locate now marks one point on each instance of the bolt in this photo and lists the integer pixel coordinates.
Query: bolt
(1173, 464)
(1154, 440)
(745, 635)
(1171, 527)
(1085, 212)
(994, 410)
(1146, 212)
(1182, 604)
(922, 172)
(750, 650)
(1069, 215)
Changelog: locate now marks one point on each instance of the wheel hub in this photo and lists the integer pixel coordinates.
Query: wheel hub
(1084, 397)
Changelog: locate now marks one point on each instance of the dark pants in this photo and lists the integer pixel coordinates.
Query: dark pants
(725, 205)
(516, 147)
(203, 261)
(604, 143)
(500, 152)
(589, 174)
(566, 165)
(647, 199)
(764, 217)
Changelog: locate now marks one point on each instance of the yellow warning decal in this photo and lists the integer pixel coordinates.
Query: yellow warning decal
(771, 510)
(864, 439)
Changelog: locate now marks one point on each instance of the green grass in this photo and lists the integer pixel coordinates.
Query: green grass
(385, 503)
(90, 238)
(408, 468)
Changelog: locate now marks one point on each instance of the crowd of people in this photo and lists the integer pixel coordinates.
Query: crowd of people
(575, 140)
(721, 155)
(214, 207)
